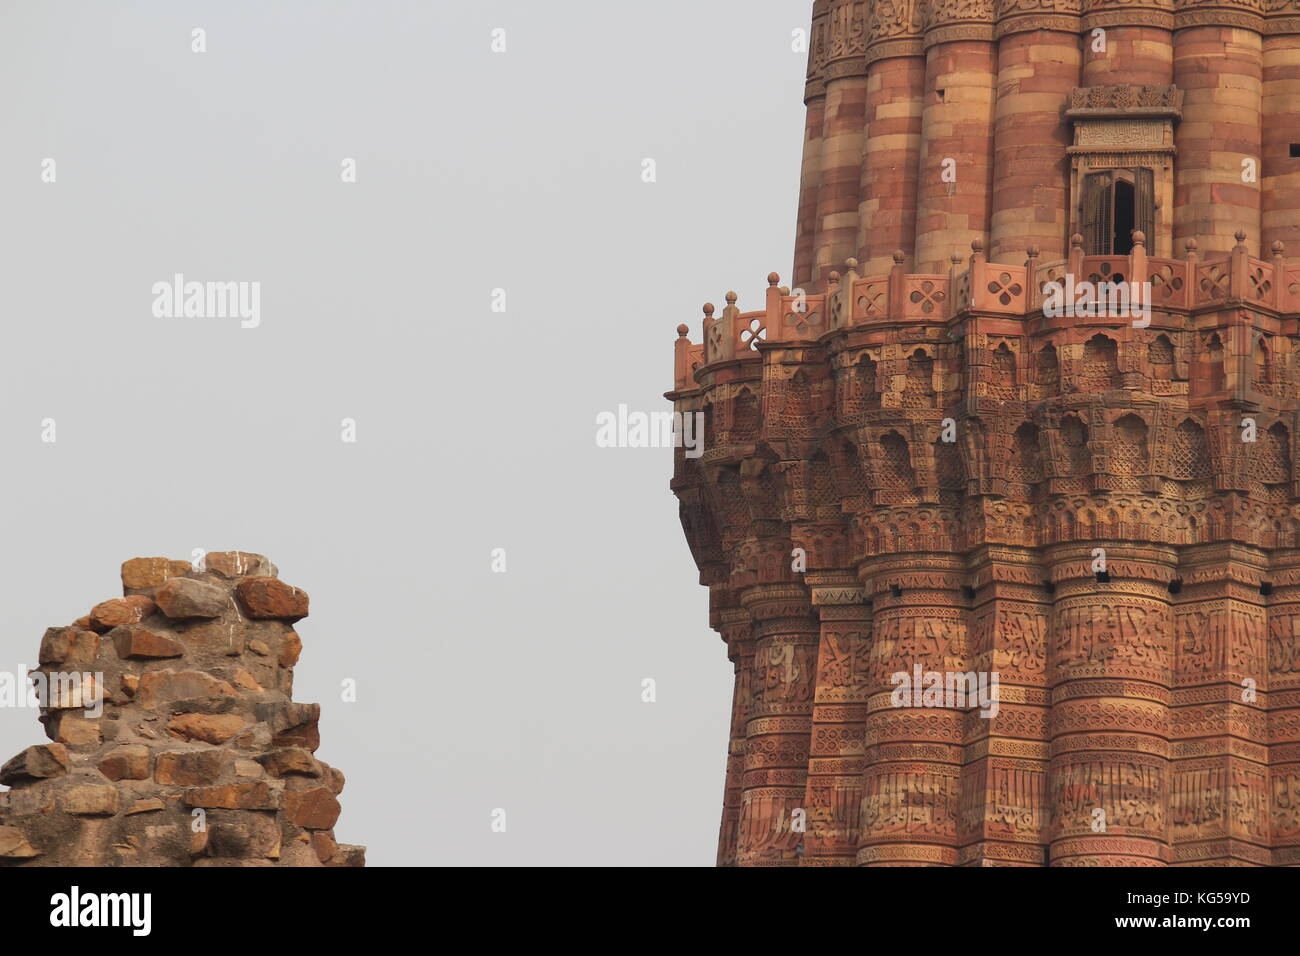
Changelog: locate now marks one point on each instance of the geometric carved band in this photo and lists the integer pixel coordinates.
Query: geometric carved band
(1239, 19)
(1061, 23)
(957, 32)
(837, 595)
(1156, 19)
(902, 46)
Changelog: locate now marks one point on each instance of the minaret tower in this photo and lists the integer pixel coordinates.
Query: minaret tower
(927, 457)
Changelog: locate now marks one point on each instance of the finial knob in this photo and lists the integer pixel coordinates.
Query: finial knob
(1240, 235)
(1190, 245)
(1279, 247)
(977, 245)
(1139, 237)
(708, 309)
(834, 277)
(731, 298)
(1076, 240)
(682, 330)
(851, 264)
(773, 278)
(899, 256)
(955, 258)
(1033, 250)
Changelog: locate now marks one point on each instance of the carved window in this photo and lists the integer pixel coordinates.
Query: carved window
(731, 502)
(919, 391)
(1160, 354)
(744, 424)
(850, 479)
(868, 391)
(1005, 363)
(1074, 436)
(1049, 370)
(1025, 466)
(1190, 455)
(947, 460)
(767, 503)
(1264, 370)
(1100, 369)
(1273, 456)
(798, 399)
(1117, 202)
(896, 463)
(821, 490)
(1213, 358)
(1128, 450)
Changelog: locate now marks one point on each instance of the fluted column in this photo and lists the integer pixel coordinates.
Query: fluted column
(1284, 709)
(911, 785)
(895, 90)
(1138, 43)
(843, 139)
(836, 760)
(1038, 66)
(1218, 63)
(810, 172)
(1219, 791)
(1110, 664)
(956, 124)
(780, 720)
(738, 631)
(1280, 106)
(1004, 780)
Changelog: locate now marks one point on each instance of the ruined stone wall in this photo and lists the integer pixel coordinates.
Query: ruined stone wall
(182, 745)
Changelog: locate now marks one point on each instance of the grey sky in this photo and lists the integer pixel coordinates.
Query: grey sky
(475, 430)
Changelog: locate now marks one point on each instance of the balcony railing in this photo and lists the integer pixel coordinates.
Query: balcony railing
(977, 285)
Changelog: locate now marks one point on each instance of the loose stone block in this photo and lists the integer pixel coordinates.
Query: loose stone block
(36, 763)
(130, 762)
(182, 598)
(267, 598)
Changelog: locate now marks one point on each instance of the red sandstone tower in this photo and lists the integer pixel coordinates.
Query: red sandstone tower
(910, 462)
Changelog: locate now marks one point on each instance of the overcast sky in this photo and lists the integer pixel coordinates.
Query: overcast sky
(475, 430)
